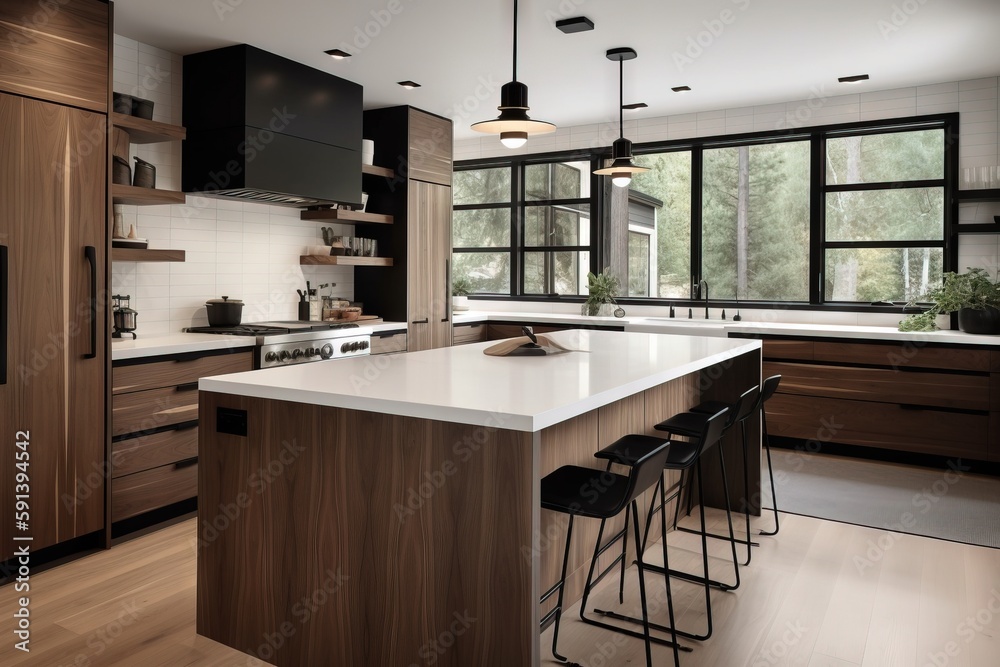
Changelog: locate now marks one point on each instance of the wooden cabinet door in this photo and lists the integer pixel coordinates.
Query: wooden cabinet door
(428, 261)
(10, 232)
(430, 148)
(56, 51)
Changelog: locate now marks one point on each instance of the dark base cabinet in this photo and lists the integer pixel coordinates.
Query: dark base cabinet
(937, 400)
(154, 450)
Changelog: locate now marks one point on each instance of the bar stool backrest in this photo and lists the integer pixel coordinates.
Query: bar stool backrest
(745, 406)
(645, 473)
(712, 432)
(768, 387)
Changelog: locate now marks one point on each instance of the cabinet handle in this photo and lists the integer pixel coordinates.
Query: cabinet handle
(910, 406)
(185, 464)
(187, 386)
(91, 254)
(4, 275)
(423, 321)
(447, 291)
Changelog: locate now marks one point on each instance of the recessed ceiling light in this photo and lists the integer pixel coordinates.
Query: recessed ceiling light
(337, 54)
(634, 105)
(857, 78)
(409, 85)
(681, 89)
(575, 24)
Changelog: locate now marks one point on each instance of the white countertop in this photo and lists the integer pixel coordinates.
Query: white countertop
(722, 328)
(463, 385)
(177, 343)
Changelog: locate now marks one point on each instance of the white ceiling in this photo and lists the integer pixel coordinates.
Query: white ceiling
(770, 50)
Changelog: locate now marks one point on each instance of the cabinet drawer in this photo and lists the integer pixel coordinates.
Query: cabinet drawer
(388, 344)
(151, 489)
(788, 349)
(153, 408)
(884, 385)
(151, 451)
(463, 334)
(884, 425)
(898, 355)
(502, 331)
(158, 374)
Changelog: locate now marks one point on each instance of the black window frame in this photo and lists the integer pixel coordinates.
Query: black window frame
(818, 245)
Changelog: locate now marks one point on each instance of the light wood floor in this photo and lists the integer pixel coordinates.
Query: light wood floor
(821, 594)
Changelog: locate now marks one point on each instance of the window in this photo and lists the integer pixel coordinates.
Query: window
(842, 215)
(755, 222)
(525, 228)
(884, 215)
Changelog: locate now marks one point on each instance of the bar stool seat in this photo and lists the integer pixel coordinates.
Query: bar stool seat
(690, 424)
(630, 448)
(561, 491)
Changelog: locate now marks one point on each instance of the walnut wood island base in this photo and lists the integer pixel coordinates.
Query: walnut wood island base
(348, 517)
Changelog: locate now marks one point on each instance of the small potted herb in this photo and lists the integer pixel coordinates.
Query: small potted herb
(461, 287)
(601, 289)
(973, 295)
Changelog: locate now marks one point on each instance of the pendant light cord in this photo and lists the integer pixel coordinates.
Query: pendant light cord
(514, 76)
(621, 98)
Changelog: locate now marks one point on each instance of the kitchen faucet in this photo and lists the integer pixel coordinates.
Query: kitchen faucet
(703, 285)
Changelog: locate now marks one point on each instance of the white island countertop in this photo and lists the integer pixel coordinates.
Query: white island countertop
(463, 385)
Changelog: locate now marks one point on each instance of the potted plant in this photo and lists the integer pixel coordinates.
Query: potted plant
(461, 287)
(973, 295)
(601, 289)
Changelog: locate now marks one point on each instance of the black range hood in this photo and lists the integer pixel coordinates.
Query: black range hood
(264, 128)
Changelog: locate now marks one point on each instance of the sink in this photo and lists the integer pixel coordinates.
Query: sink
(684, 326)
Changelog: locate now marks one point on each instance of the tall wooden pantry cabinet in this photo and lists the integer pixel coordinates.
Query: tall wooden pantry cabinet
(417, 146)
(54, 97)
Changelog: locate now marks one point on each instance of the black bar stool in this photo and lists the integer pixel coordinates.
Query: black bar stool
(598, 494)
(767, 389)
(683, 456)
(745, 406)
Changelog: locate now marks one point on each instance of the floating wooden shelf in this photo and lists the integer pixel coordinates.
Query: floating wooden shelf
(979, 195)
(142, 131)
(372, 170)
(128, 194)
(347, 217)
(146, 255)
(343, 260)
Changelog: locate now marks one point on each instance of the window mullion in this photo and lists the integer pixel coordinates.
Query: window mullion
(817, 218)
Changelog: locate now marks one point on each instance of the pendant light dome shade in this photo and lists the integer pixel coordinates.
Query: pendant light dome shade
(513, 124)
(621, 168)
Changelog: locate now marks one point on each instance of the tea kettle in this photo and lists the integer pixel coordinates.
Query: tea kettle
(123, 317)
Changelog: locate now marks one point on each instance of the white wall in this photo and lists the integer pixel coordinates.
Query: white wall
(243, 250)
(977, 101)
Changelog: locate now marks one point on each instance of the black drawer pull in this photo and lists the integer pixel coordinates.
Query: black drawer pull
(910, 406)
(187, 463)
(423, 321)
(187, 386)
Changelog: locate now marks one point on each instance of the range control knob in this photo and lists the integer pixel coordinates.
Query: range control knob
(296, 353)
(365, 345)
(283, 355)
(311, 352)
(345, 348)
(270, 356)
(326, 351)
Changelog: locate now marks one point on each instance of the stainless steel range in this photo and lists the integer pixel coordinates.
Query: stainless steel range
(287, 343)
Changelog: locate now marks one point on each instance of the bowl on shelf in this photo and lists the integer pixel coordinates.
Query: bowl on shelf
(351, 314)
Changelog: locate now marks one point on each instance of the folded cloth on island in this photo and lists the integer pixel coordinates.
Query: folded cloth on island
(522, 346)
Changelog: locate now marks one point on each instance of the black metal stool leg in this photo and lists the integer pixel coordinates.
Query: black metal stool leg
(621, 577)
(729, 520)
(666, 573)
(562, 588)
(770, 472)
(746, 489)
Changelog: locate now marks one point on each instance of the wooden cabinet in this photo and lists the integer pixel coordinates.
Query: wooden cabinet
(416, 288)
(54, 230)
(913, 397)
(388, 343)
(56, 51)
(463, 334)
(155, 428)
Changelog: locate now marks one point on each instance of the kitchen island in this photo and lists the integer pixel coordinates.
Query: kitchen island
(385, 510)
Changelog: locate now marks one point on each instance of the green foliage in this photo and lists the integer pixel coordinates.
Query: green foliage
(601, 288)
(959, 290)
(461, 286)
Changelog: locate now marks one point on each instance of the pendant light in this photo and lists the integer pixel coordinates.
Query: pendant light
(621, 168)
(513, 124)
